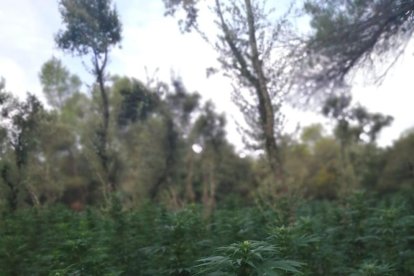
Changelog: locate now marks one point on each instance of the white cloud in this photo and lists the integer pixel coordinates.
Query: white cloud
(14, 75)
(26, 43)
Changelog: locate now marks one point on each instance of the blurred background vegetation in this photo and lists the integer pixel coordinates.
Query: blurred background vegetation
(149, 167)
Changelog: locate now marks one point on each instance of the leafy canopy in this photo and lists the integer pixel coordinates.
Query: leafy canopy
(90, 26)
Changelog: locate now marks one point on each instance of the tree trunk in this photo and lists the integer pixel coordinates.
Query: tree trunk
(209, 189)
(189, 181)
(103, 149)
(257, 79)
(170, 148)
(266, 110)
(103, 131)
(13, 196)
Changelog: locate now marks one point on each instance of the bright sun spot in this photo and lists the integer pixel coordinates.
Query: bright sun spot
(197, 148)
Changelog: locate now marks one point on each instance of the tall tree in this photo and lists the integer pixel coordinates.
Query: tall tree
(348, 34)
(158, 121)
(21, 122)
(352, 124)
(210, 134)
(253, 51)
(92, 27)
(182, 106)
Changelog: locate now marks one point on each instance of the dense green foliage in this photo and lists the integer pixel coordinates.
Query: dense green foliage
(360, 235)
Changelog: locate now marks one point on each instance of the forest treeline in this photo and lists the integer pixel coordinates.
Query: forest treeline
(155, 141)
(166, 145)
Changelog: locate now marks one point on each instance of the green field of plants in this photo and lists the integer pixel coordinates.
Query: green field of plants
(357, 236)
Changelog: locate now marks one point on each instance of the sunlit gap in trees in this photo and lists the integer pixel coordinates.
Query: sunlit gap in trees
(197, 148)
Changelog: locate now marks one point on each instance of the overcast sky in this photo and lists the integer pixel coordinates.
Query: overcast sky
(152, 41)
